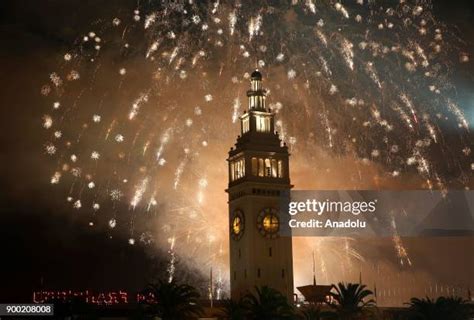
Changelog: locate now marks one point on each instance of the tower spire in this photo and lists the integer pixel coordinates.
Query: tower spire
(259, 180)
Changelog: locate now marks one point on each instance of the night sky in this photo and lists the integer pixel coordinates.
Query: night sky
(41, 241)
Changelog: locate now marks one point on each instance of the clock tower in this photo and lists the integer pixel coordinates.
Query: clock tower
(259, 185)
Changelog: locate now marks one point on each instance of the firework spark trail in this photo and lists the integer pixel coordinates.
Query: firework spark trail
(137, 105)
(254, 24)
(347, 53)
(324, 41)
(459, 114)
(310, 5)
(178, 173)
(373, 74)
(430, 128)
(150, 20)
(409, 105)
(202, 184)
(163, 142)
(403, 116)
(171, 264)
(339, 7)
(400, 249)
(340, 249)
(232, 22)
(328, 129)
(139, 191)
(236, 110)
(152, 49)
(152, 202)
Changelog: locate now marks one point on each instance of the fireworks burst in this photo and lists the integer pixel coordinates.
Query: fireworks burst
(369, 80)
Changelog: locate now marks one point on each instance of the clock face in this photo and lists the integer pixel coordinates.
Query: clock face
(268, 223)
(238, 224)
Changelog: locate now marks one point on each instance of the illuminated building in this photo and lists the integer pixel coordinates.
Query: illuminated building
(258, 181)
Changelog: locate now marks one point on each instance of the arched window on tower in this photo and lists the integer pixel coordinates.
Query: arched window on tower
(260, 167)
(254, 166)
(268, 168)
(274, 168)
(263, 123)
(245, 125)
(280, 169)
(237, 169)
(252, 102)
(241, 169)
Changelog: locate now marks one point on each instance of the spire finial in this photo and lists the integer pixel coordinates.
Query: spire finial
(256, 75)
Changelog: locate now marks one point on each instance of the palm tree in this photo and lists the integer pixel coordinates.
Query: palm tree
(351, 300)
(173, 301)
(233, 310)
(267, 303)
(453, 308)
(457, 308)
